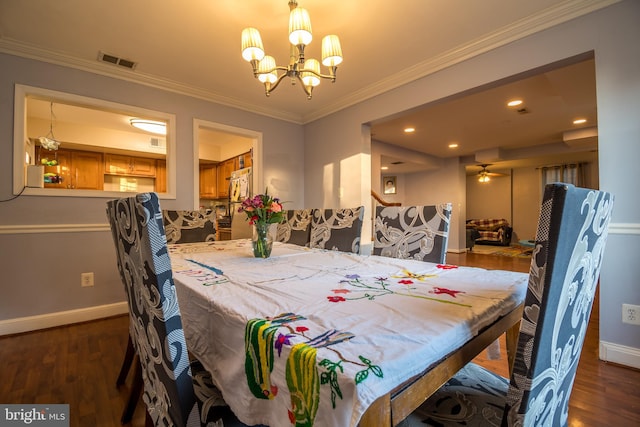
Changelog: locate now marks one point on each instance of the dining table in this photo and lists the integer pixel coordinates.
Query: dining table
(313, 337)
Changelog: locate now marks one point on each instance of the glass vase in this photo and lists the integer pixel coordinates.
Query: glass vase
(262, 240)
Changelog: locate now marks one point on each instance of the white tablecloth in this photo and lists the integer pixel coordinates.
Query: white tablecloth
(316, 336)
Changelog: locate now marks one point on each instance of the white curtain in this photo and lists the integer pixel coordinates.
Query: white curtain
(571, 174)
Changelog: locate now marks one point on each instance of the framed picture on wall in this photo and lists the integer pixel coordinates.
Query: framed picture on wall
(389, 184)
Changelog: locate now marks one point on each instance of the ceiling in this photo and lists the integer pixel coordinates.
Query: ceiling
(196, 50)
(486, 130)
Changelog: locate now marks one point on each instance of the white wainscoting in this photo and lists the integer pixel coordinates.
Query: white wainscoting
(50, 320)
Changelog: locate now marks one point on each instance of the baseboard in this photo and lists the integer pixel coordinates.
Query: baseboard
(620, 354)
(457, 251)
(49, 320)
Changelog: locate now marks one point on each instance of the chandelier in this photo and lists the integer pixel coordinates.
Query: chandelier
(306, 71)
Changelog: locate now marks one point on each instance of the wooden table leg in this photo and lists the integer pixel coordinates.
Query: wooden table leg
(378, 414)
(512, 344)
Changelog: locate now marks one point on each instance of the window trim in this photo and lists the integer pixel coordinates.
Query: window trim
(20, 140)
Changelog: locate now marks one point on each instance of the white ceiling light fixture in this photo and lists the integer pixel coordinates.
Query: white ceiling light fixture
(483, 175)
(152, 126)
(307, 71)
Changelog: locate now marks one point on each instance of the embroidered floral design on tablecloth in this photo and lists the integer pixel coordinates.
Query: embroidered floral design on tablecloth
(361, 288)
(302, 369)
(208, 275)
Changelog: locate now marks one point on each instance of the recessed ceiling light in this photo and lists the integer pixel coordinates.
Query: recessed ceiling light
(453, 145)
(384, 168)
(514, 103)
(409, 130)
(579, 121)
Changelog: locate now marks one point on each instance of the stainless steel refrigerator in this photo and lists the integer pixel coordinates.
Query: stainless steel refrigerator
(240, 188)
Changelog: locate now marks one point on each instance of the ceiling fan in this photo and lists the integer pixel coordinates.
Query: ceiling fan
(485, 175)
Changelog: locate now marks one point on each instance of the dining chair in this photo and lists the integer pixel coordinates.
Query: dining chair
(337, 229)
(177, 391)
(414, 232)
(295, 227)
(130, 360)
(183, 226)
(564, 272)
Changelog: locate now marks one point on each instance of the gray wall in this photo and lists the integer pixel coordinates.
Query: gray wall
(40, 263)
(612, 35)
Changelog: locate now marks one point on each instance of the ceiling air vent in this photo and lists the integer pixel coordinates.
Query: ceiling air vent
(112, 59)
(522, 111)
(397, 163)
(157, 142)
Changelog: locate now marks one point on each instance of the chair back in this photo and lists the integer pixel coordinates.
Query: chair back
(295, 227)
(145, 268)
(565, 266)
(189, 226)
(415, 232)
(337, 229)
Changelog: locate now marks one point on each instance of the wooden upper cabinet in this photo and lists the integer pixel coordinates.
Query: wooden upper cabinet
(116, 164)
(89, 171)
(161, 176)
(208, 181)
(80, 170)
(224, 173)
(247, 159)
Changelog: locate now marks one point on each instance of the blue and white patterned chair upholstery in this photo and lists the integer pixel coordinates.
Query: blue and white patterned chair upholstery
(189, 226)
(295, 227)
(565, 267)
(337, 229)
(415, 232)
(172, 384)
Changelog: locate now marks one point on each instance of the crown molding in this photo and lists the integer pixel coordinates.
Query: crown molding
(25, 50)
(543, 20)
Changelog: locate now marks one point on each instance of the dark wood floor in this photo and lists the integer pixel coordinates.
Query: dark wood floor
(78, 365)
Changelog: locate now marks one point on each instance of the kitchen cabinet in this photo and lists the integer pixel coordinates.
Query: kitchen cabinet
(161, 176)
(224, 171)
(116, 164)
(247, 159)
(208, 181)
(79, 170)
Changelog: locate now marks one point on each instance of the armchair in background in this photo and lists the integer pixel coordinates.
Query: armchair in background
(491, 231)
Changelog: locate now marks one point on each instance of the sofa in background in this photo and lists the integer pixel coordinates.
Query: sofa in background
(491, 231)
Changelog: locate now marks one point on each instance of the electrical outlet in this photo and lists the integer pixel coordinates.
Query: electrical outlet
(631, 314)
(86, 279)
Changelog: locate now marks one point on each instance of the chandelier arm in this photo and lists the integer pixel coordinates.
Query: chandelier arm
(307, 89)
(269, 87)
(331, 76)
